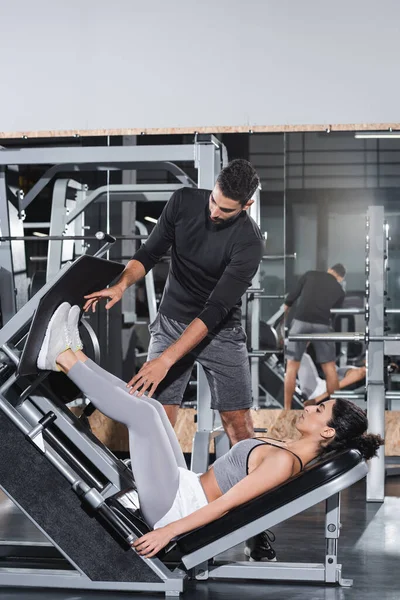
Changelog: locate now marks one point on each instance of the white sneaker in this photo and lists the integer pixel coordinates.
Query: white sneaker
(56, 340)
(73, 328)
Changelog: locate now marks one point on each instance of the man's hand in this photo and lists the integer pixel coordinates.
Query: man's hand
(151, 543)
(149, 376)
(114, 292)
(155, 370)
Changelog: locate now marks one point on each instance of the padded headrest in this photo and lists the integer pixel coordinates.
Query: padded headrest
(312, 477)
(87, 274)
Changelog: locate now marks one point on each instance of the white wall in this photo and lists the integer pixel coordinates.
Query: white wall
(88, 64)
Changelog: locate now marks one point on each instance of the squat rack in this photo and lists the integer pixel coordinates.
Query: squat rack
(377, 343)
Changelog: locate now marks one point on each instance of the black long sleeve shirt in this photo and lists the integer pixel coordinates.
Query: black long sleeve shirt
(211, 265)
(319, 291)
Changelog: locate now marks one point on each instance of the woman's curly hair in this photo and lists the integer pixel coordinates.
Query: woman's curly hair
(350, 424)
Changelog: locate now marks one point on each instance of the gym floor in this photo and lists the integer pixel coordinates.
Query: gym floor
(369, 549)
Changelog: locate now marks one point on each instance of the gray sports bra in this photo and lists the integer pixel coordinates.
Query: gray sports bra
(233, 466)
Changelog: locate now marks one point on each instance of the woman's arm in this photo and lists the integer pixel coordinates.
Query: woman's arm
(273, 471)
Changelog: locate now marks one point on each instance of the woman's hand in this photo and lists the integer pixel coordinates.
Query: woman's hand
(151, 543)
(149, 376)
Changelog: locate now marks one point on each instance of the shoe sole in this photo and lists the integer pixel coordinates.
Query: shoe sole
(71, 329)
(247, 552)
(43, 350)
(45, 346)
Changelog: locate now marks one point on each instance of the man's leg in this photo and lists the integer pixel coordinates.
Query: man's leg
(292, 367)
(326, 356)
(172, 411)
(331, 376)
(164, 332)
(238, 424)
(294, 354)
(225, 361)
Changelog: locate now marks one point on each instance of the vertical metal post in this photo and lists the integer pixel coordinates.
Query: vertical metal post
(128, 247)
(208, 163)
(69, 247)
(375, 274)
(255, 213)
(205, 162)
(205, 424)
(7, 293)
(21, 282)
(149, 282)
(58, 224)
(285, 249)
(332, 530)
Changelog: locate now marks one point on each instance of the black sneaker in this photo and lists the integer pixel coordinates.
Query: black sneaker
(259, 547)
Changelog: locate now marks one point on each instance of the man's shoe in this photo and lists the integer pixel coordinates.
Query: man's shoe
(259, 547)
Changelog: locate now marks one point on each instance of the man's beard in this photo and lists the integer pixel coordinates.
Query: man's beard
(219, 221)
(216, 221)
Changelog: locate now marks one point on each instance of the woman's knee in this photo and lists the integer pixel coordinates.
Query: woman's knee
(155, 403)
(140, 413)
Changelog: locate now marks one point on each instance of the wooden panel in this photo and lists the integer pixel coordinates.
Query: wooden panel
(280, 425)
(187, 130)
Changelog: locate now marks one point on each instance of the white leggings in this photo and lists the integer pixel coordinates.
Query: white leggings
(157, 459)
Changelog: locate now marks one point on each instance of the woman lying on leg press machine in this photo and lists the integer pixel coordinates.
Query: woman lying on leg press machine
(188, 500)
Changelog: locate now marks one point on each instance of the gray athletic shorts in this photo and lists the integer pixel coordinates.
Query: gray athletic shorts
(224, 359)
(325, 351)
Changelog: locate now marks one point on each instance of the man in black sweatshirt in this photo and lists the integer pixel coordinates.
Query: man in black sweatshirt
(318, 292)
(215, 252)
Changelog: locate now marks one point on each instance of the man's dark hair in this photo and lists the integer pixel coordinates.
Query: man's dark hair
(238, 180)
(350, 424)
(339, 269)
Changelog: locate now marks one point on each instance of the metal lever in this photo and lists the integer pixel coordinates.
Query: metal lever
(109, 239)
(35, 435)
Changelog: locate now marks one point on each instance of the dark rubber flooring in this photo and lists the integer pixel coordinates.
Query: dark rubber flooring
(369, 550)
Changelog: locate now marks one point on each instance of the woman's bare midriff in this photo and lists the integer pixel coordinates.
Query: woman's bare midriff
(257, 455)
(210, 485)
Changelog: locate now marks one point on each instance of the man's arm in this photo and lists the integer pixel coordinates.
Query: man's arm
(339, 302)
(230, 288)
(154, 371)
(295, 293)
(162, 236)
(233, 283)
(133, 272)
(156, 246)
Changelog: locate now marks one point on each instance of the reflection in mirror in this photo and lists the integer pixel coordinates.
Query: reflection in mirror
(331, 180)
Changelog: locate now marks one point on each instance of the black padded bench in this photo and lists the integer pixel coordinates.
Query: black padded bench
(321, 481)
(310, 479)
